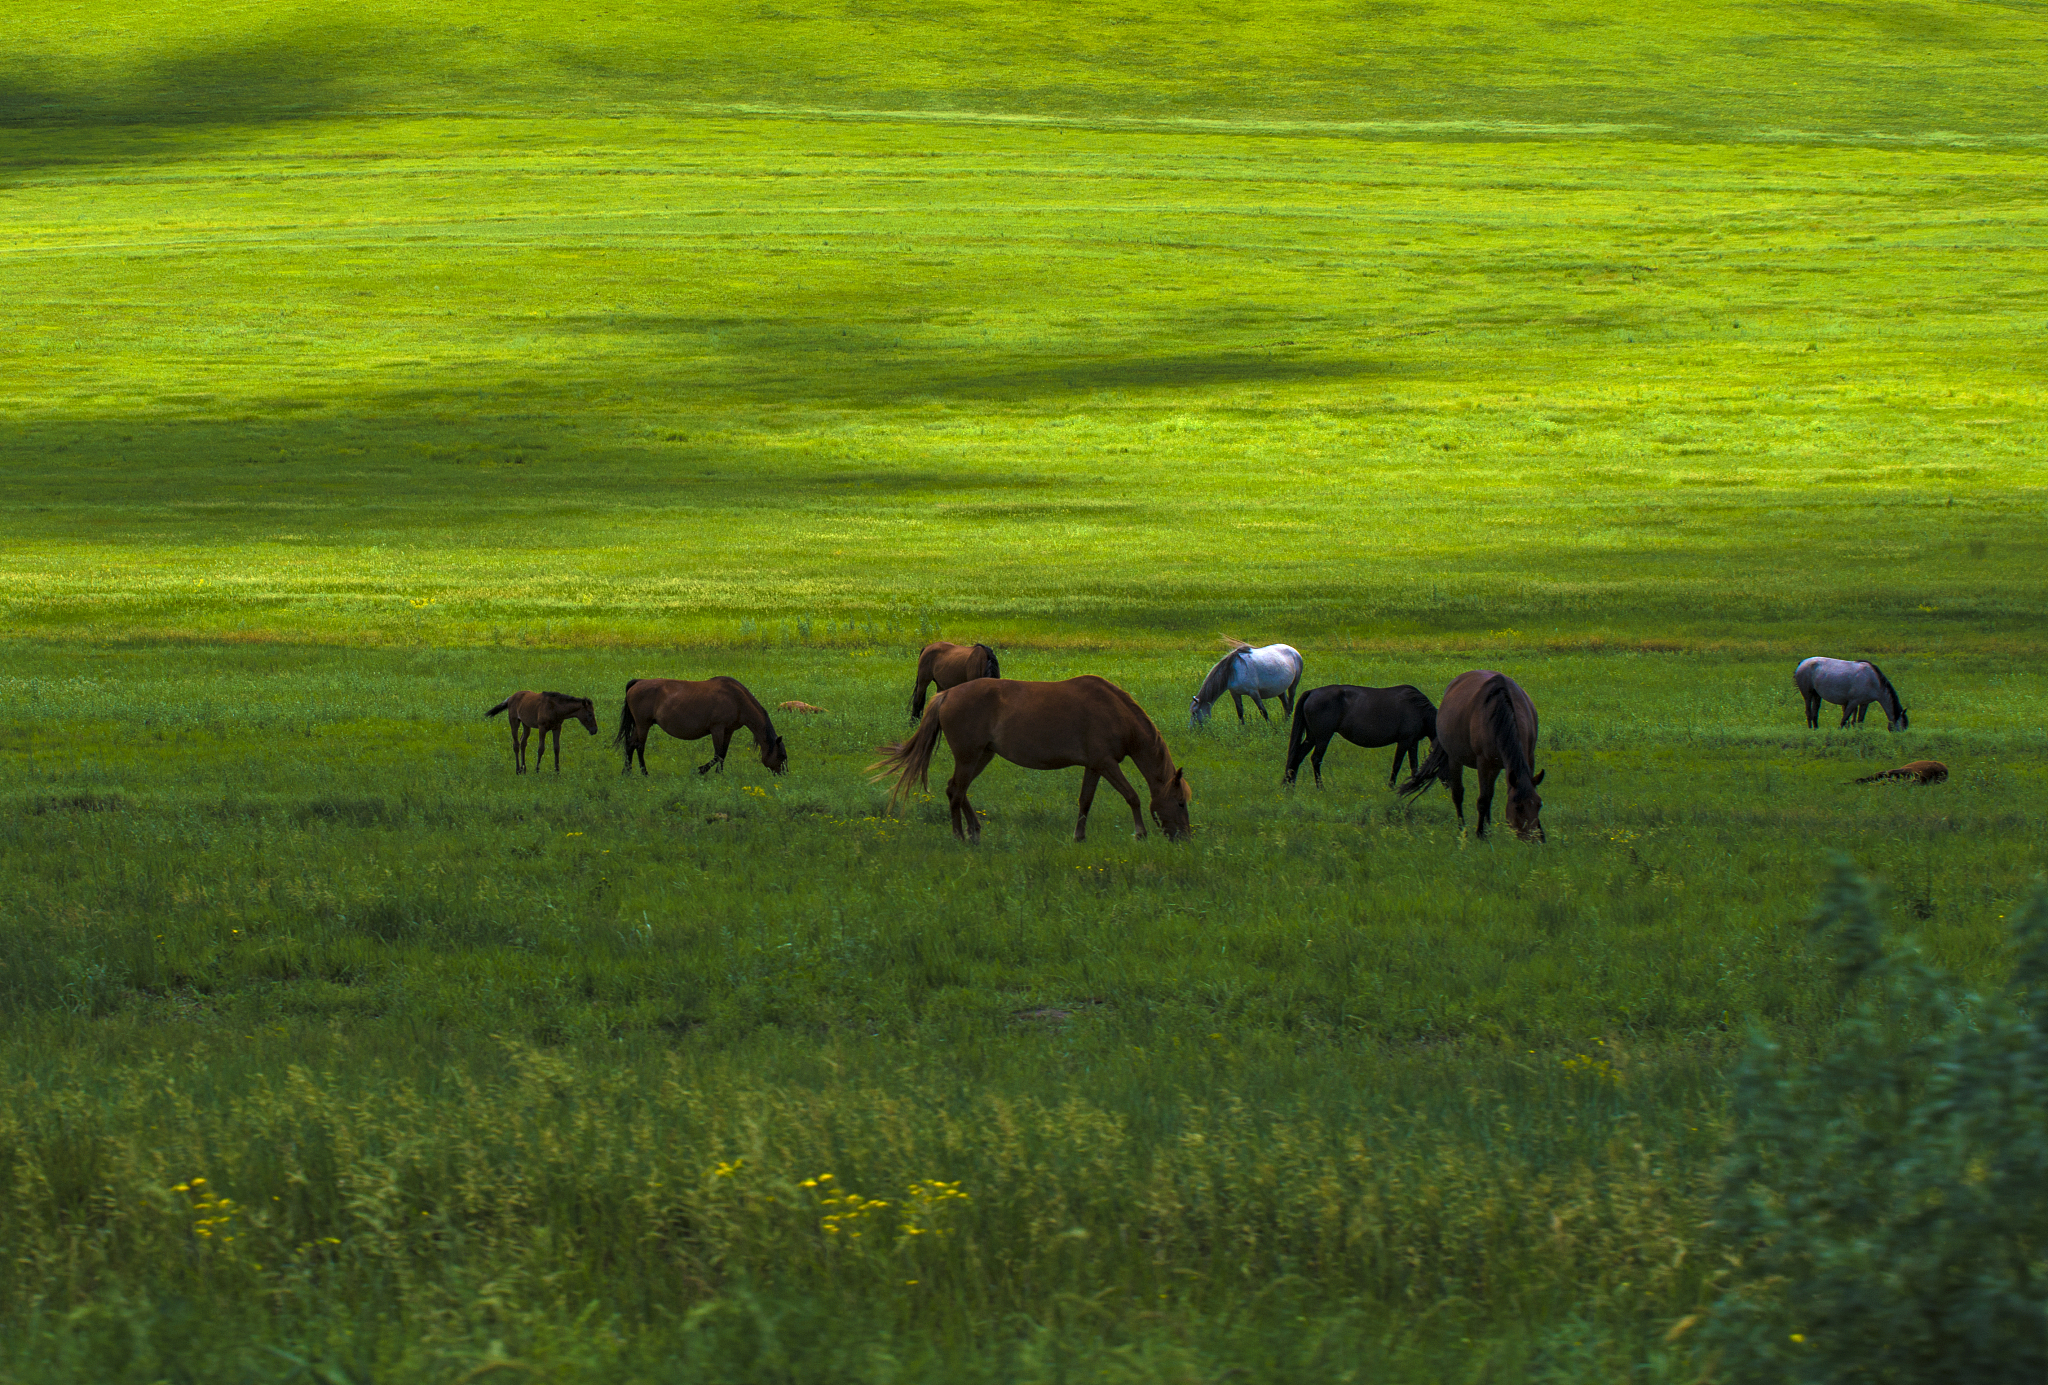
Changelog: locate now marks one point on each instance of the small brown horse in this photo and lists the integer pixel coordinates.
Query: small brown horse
(950, 665)
(545, 712)
(1919, 771)
(716, 707)
(1084, 721)
(1488, 722)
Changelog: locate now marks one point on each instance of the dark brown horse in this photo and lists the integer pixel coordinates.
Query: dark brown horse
(1084, 721)
(950, 665)
(716, 707)
(543, 712)
(1488, 722)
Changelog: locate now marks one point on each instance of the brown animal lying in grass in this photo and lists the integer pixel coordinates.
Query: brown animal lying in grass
(800, 708)
(1920, 771)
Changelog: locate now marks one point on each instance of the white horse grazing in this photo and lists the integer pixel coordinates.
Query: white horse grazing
(1272, 670)
(1853, 685)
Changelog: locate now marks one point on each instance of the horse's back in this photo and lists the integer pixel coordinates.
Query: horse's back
(1836, 679)
(1461, 718)
(660, 693)
(1272, 668)
(1083, 718)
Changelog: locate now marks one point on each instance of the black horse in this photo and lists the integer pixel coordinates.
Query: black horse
(1368, 717)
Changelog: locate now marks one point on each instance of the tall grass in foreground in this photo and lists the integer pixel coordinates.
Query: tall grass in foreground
(862, 1212)
(196, 1217)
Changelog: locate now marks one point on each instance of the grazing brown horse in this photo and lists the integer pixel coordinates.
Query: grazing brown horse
(1488, 722)
(545, 712)
(1920, 772)
(950, 665)
(716, 707)
(1086, 721)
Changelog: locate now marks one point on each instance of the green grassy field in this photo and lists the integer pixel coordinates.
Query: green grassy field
(358, 367)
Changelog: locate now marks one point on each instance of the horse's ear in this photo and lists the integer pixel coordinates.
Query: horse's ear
(1180, 781)
(1537, 778)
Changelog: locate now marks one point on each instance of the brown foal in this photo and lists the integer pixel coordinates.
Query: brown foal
(542, 712)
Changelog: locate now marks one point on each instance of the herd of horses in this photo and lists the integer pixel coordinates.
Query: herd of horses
(1485, 723)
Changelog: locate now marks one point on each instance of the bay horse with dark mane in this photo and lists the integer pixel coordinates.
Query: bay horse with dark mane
(1367, 717)
(1488, 722)
(1085, 721)
(950, 665)
(543, 712)
(716, 707)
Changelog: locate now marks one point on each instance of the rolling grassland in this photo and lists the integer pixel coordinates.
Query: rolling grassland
(361, 364)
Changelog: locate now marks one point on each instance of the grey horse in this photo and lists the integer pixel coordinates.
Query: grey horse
(1854, 685)
(1272, 670)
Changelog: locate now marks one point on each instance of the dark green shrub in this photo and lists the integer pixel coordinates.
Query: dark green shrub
(1886, 1201)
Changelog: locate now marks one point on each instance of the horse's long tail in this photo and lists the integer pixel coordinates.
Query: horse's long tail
(497, 709)
(989, 667)
(625, 735)
(909, 760)
(1432, 770)
(1297, 740)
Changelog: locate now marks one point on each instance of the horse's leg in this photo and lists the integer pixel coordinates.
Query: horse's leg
(1399, 751)
(639, 745)
(1088, 783)
(1454, 780)
(518, 745)
(558, 749)
(1847, 712)
(1238, 698)
(1812, 708)
(1315, 759)
(1114, 773)
(965, 768)
(721, 737)
(1259, 701)
(1487, 774)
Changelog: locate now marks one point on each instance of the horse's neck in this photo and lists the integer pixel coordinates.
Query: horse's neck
(754, 717)
(1148, 753)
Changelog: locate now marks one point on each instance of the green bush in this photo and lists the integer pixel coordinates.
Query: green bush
(1886, 1201)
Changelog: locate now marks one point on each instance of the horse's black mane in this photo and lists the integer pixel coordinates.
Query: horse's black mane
(572, 697)
(1219, 678)
(1507, 734)
(1886, 684)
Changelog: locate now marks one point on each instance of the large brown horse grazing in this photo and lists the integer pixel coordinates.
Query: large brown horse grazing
(543, 712)
(716, 707)
(1086, 721)
(1488, 722)
(950, 665)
